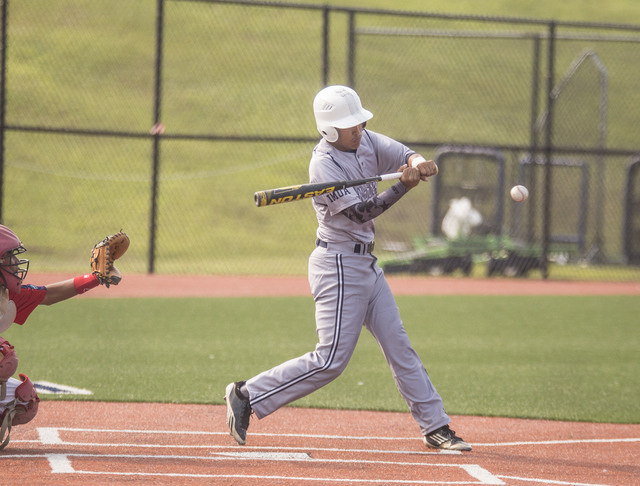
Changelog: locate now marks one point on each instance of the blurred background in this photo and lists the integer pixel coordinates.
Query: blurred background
(163, 117)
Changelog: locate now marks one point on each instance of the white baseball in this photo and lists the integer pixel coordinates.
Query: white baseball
(519, 193)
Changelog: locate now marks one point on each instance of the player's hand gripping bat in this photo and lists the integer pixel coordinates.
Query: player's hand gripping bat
(281, 195)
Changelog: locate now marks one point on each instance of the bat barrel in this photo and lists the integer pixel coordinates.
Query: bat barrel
(281, 195)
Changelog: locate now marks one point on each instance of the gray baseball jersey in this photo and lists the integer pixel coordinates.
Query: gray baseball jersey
(350, 292)
(376, 155)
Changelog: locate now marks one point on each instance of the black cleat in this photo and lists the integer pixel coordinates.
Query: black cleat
(445, 438)
(238, 412)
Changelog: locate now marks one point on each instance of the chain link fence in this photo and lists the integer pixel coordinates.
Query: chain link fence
(163, 117)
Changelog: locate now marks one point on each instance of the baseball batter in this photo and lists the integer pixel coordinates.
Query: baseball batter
(18, 398)
(349, 289)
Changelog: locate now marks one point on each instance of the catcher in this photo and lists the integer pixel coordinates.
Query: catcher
(18, 398)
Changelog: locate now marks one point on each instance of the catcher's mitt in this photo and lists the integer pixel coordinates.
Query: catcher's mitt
(104, 254)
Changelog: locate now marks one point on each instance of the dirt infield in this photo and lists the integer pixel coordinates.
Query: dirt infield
(78, 443)
(74, 443)
(235, 286)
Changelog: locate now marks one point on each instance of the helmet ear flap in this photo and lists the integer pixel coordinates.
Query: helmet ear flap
(330, 134)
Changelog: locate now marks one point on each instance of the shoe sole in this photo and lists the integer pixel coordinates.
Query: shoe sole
(231, 418)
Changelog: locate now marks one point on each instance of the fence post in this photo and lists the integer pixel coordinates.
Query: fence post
(351, 50)
(3, 88)
(601, 166)
(325, 46)
(534, 135)
(548, 154)
(157, 132)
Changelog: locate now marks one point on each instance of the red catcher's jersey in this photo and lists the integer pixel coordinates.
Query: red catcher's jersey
(26, 301)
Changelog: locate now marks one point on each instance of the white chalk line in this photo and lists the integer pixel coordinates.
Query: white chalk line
(298, 456)
(51, 436)
(212, 446)
(283, 478)
(243, 457)
(557, 442)
(259, 434)
(61, 464)
(340, 437)
(46, 387)
(347, 437)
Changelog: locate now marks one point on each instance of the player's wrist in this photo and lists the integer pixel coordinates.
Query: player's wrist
(85, 283)
(401, 188)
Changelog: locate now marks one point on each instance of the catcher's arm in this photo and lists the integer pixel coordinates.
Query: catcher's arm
(103, 272)
(59, 291)
(115, 246)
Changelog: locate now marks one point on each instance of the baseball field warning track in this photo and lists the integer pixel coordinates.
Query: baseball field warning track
(75, 443)
(246, 286)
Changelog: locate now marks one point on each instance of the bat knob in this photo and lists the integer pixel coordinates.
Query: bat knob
(260, 198)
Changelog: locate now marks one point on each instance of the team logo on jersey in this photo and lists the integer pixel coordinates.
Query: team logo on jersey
(367, 191)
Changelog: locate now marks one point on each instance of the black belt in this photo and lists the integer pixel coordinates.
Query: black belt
(359, 248)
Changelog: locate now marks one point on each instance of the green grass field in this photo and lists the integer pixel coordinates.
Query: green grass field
(564, 358)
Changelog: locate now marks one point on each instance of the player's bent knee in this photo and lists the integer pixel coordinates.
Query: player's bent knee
(21, 410)
(330, 373)
(28, 401)
(23, 406)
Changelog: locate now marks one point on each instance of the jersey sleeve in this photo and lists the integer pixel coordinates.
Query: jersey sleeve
(26, 301)
(391, 154)
(324, 168)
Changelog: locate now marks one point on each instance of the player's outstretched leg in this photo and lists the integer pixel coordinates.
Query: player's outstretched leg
(238, 412)
(445, 438)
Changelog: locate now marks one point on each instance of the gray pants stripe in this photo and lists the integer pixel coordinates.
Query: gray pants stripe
(334, 344)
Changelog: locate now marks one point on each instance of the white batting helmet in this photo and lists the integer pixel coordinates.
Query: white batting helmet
(338, 107)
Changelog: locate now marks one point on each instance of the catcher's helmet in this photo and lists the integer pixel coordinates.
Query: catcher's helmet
(338, 107)
(12, 269)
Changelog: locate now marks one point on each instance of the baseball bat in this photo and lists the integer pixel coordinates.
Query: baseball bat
(281, 195)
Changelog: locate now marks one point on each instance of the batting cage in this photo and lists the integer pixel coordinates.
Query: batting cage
(632, 214)
(466, 213)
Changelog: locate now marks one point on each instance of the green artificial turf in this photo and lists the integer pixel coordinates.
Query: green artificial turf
(565, 358)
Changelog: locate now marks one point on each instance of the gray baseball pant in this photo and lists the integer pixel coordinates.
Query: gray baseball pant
(350, 291)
